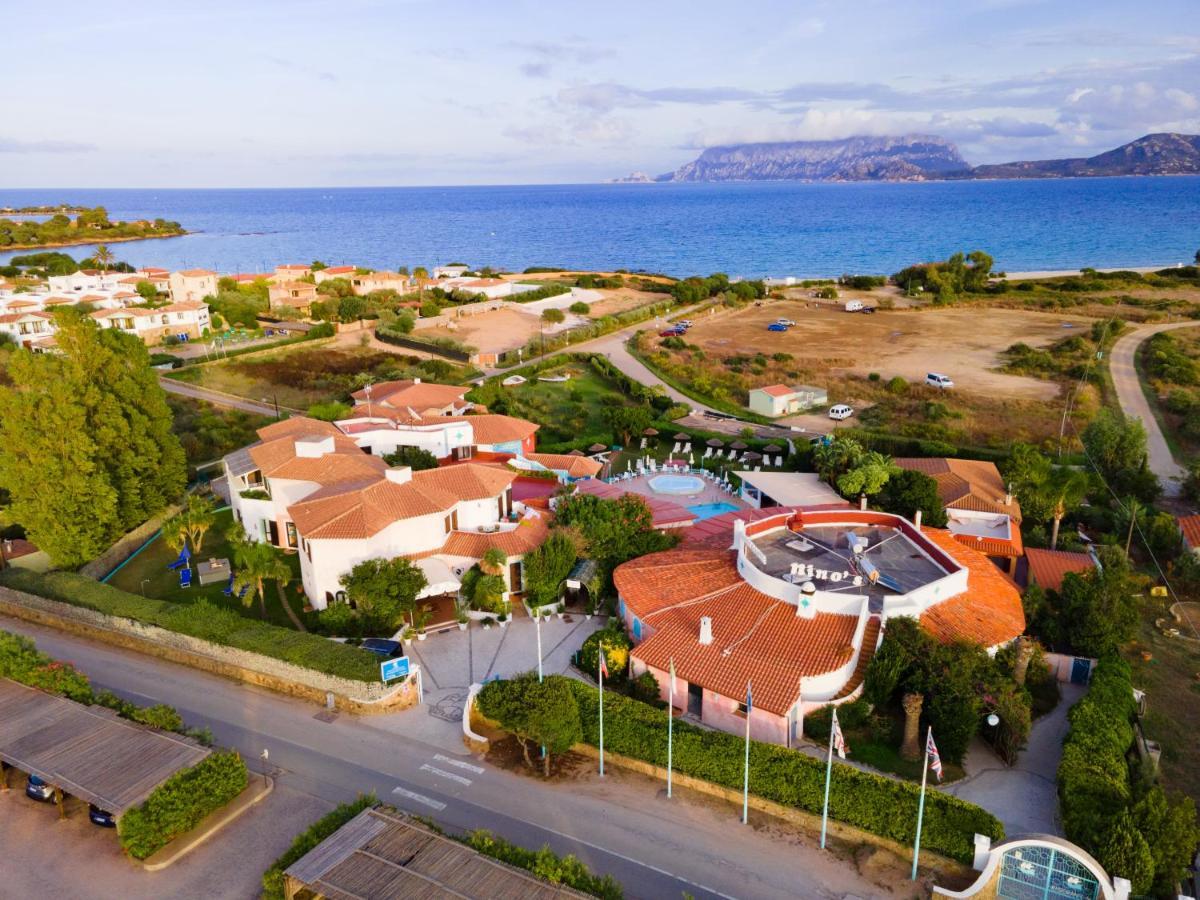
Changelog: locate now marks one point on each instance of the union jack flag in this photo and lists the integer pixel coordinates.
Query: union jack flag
(935, 760)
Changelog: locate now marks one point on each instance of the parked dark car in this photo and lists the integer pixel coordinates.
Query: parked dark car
(867, 310)
(97, 816)
(39, 790)
(384, 647)
(672, 332)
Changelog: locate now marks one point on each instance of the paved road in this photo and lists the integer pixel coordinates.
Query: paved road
(1133, 401)
(620, 825)
(171, 386)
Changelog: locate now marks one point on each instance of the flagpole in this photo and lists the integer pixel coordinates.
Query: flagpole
(746, 777)
(600, 681)
(828, 773)
(921, 806)
(670, 725)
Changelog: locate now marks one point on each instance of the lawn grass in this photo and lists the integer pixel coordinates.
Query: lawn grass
(161, 583)
(298, 377)
(570, 411)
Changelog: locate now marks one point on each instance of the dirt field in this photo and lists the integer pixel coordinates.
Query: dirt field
(494, 331)
(618, 301)
(962, 343)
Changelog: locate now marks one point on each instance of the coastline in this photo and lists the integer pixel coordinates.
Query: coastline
(92, 241)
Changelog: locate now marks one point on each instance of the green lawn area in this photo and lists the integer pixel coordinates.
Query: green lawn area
(569, 411)
(150, 566)
(301, 375)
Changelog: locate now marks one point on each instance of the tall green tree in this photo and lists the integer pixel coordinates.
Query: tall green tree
(1062, 493)
(88, 448)
(103, 256)
(255, 563)
(835, 457)
(627, 421)
(1116, 446)
(1098, 610)
(384, 590)
(868, 475)
(908, 491)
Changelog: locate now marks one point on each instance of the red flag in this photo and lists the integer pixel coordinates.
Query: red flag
(603, 664)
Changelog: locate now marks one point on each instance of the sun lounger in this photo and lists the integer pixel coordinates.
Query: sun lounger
(643, 443)
(185, 578)
(228, 589)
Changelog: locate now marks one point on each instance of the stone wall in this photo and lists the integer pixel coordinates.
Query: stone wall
(230, 662)
(126, 546)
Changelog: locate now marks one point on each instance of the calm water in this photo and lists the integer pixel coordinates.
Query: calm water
(681, 229)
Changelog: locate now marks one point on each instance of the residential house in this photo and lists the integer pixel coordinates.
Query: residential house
(297, 295)
(291, 272)
(776, 400)
(306, 486)
(379, 281)
(192, 285)
(34, 330)
(1189, 530)
(983, 512)
(331, 272)
(183, 320)
(450, 271)
(1048, 568)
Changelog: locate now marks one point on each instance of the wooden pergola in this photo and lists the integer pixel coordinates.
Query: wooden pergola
(88, 752)
(381, 854)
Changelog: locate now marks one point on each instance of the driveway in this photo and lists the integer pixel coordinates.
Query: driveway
(1025, 796)
(1134, 403)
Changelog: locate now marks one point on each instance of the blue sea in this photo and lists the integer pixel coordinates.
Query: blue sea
(743, 229)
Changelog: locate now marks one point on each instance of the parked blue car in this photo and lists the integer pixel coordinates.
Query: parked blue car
(38, 790)
(97, 816)
(775, 326)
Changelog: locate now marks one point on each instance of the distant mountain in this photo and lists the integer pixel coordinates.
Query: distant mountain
(919, 157)
(1154, 154)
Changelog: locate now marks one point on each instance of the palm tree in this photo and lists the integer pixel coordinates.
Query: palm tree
(421, 274)
(175, 532)
(258, 563)
(103, 256)
(835, 457)
(1128, 516)
(1063, 491)
(199, 516)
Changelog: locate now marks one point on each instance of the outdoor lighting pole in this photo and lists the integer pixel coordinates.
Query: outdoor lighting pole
(144, 580)
(537, 620)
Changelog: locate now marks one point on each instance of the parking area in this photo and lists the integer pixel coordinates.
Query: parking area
(81, 860)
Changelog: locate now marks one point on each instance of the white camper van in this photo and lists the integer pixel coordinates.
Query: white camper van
(854, 306)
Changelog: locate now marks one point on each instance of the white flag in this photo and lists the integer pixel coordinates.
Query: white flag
(839, 740)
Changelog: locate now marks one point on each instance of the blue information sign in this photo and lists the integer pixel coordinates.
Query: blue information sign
(391, 669)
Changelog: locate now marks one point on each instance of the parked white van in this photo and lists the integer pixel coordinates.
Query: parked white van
(841, 411)
(933, 379)
(854, 306)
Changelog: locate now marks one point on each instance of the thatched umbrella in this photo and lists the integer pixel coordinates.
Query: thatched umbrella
(651, 432)
(772, 448)
(682, 437)
(715, 442)
(597, 448)
(738, 445)
(751, 456)
(576, 453)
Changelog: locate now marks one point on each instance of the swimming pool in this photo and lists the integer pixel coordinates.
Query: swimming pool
(708, 510)
(676, 484)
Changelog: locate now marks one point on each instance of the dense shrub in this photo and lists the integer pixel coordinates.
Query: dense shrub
(272, 879)
(545, 864)
(543, 293)
(179, 803)
(204, 621)
(876, 804)
(21, 661)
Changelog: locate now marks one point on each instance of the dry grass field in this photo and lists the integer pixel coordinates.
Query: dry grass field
(964, 343)
(622, 299)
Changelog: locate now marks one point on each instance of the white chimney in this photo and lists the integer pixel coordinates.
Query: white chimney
(705, 630)
(416, 381)
(399, 474)
(862, 502)
(917, 519)
(314, 447)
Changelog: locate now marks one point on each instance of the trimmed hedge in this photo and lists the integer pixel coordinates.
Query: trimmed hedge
(546, 864)
(202, 620)
(272, 880)
(179, 803)
(882, 806)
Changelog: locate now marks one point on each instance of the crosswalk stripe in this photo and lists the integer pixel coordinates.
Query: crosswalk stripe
(478, 770)
(420, 798)
(442, 773)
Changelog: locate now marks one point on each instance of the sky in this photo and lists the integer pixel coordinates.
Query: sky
(408, 92)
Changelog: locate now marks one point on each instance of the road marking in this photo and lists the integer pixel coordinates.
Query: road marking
(420, 798)
(478, 770)
(442, 773)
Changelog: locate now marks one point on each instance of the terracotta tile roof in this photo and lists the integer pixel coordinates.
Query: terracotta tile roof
(483, 282)
(276, 455)
(574, 466)
(1189, 526)
(362, 509)
(493, 428)
(782, 648)
(966, 483)
(23, 304)
(1048, 567)
(195, 273)
(296, 425)
(338, 270)
(989, 612)
(17, 317)
(184, 306)
(1007, 547)
(528, 536)
(419, 395)
(777, 390)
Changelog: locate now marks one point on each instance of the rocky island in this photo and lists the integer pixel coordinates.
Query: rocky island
(920, 157)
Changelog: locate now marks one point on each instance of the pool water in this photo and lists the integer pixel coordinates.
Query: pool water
(676, 484)
(708, 510)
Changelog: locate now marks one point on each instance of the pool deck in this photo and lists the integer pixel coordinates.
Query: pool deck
(666, 507)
